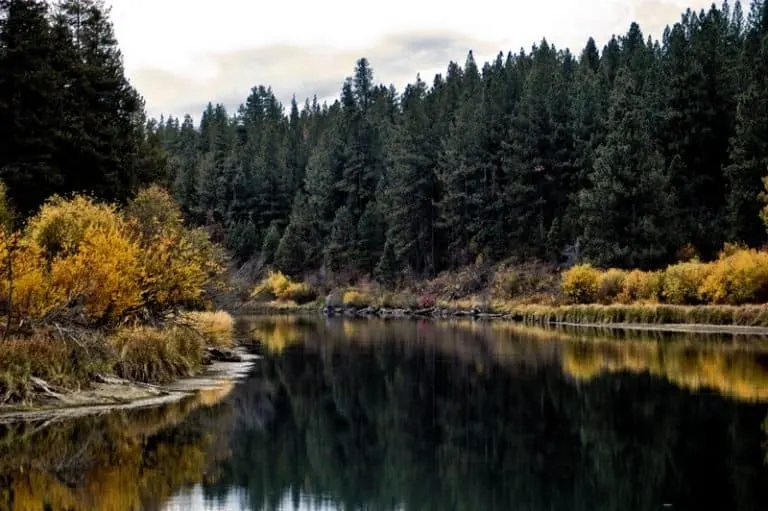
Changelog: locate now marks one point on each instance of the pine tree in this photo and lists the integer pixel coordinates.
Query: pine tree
(271, 244)
(628, 210)
(370, 238)
(409, 194)
(31, 84)
(698, 122)
(388, 267)
(749, 146)
(106, 150)
(460, 173)
(340, 250)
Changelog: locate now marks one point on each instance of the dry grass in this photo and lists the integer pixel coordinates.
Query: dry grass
(155, 355)
(217, 327)
(745, 315)
(58, 360)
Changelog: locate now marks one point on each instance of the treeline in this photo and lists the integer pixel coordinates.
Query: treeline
(69, 119)
(635, 155)
(629, 156)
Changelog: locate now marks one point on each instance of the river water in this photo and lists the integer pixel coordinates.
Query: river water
(425, 415)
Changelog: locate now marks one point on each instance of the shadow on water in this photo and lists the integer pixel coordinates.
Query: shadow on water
(424, 415)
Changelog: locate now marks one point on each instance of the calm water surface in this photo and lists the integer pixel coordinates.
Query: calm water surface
(422, 415)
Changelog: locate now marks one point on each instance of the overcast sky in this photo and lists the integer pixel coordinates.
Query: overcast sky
(180, 54)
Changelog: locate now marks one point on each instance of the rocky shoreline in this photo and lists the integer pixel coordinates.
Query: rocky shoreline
(432, 312)
(521, 316)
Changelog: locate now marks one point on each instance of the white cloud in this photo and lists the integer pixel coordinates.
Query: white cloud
(182, 53)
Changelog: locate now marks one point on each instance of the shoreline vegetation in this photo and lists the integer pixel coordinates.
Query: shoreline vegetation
(728, 292)
(92, 295)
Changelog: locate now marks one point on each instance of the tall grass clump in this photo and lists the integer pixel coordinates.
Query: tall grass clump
(59, 361)
(156, 355)
(217, 327)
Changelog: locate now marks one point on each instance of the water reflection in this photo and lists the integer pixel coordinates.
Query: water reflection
(421, 415)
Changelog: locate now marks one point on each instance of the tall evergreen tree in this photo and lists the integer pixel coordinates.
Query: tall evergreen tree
(628, 209)
(31, 117)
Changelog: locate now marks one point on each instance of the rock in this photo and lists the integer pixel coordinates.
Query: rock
(488, 316)
(223, 355)
(424, 312)
(335, 299)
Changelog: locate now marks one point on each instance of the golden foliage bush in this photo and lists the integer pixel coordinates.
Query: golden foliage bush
(61, 224)
(683, 281)
(357, 299)
(24, 285)
(581, 283)
(277, 286)
(737, 277)
(173, 272)
(79, 255)
(641, 286)
(102, 276)
(154, 212)
(611, 285)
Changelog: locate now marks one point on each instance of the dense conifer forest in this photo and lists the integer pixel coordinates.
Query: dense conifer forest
(627, 155)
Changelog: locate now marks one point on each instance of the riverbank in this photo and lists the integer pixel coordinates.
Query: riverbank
(748, 320)
(111, 393)
(57, 366)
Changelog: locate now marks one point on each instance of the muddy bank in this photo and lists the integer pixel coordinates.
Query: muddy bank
(110, 393)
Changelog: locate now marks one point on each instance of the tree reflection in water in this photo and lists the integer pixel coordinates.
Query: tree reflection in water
(424, 415)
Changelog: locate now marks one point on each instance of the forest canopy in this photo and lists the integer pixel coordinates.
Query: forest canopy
(625, 156)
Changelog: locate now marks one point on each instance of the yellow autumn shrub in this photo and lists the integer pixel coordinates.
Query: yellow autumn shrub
(102, 275)
(102, 263)
(277, 286)
(24, 284)
(357, 299)
(737, 277)
(611, 285)
(172, 272)
(683, 281)
(642, 286)
(176, 262)
(61, 224)
(154, 212)
(581, 283)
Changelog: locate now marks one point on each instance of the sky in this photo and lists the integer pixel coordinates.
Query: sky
(181, 54)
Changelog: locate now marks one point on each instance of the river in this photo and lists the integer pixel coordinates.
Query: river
(425, 415)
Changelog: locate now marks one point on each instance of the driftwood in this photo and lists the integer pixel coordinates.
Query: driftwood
(48, 389)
